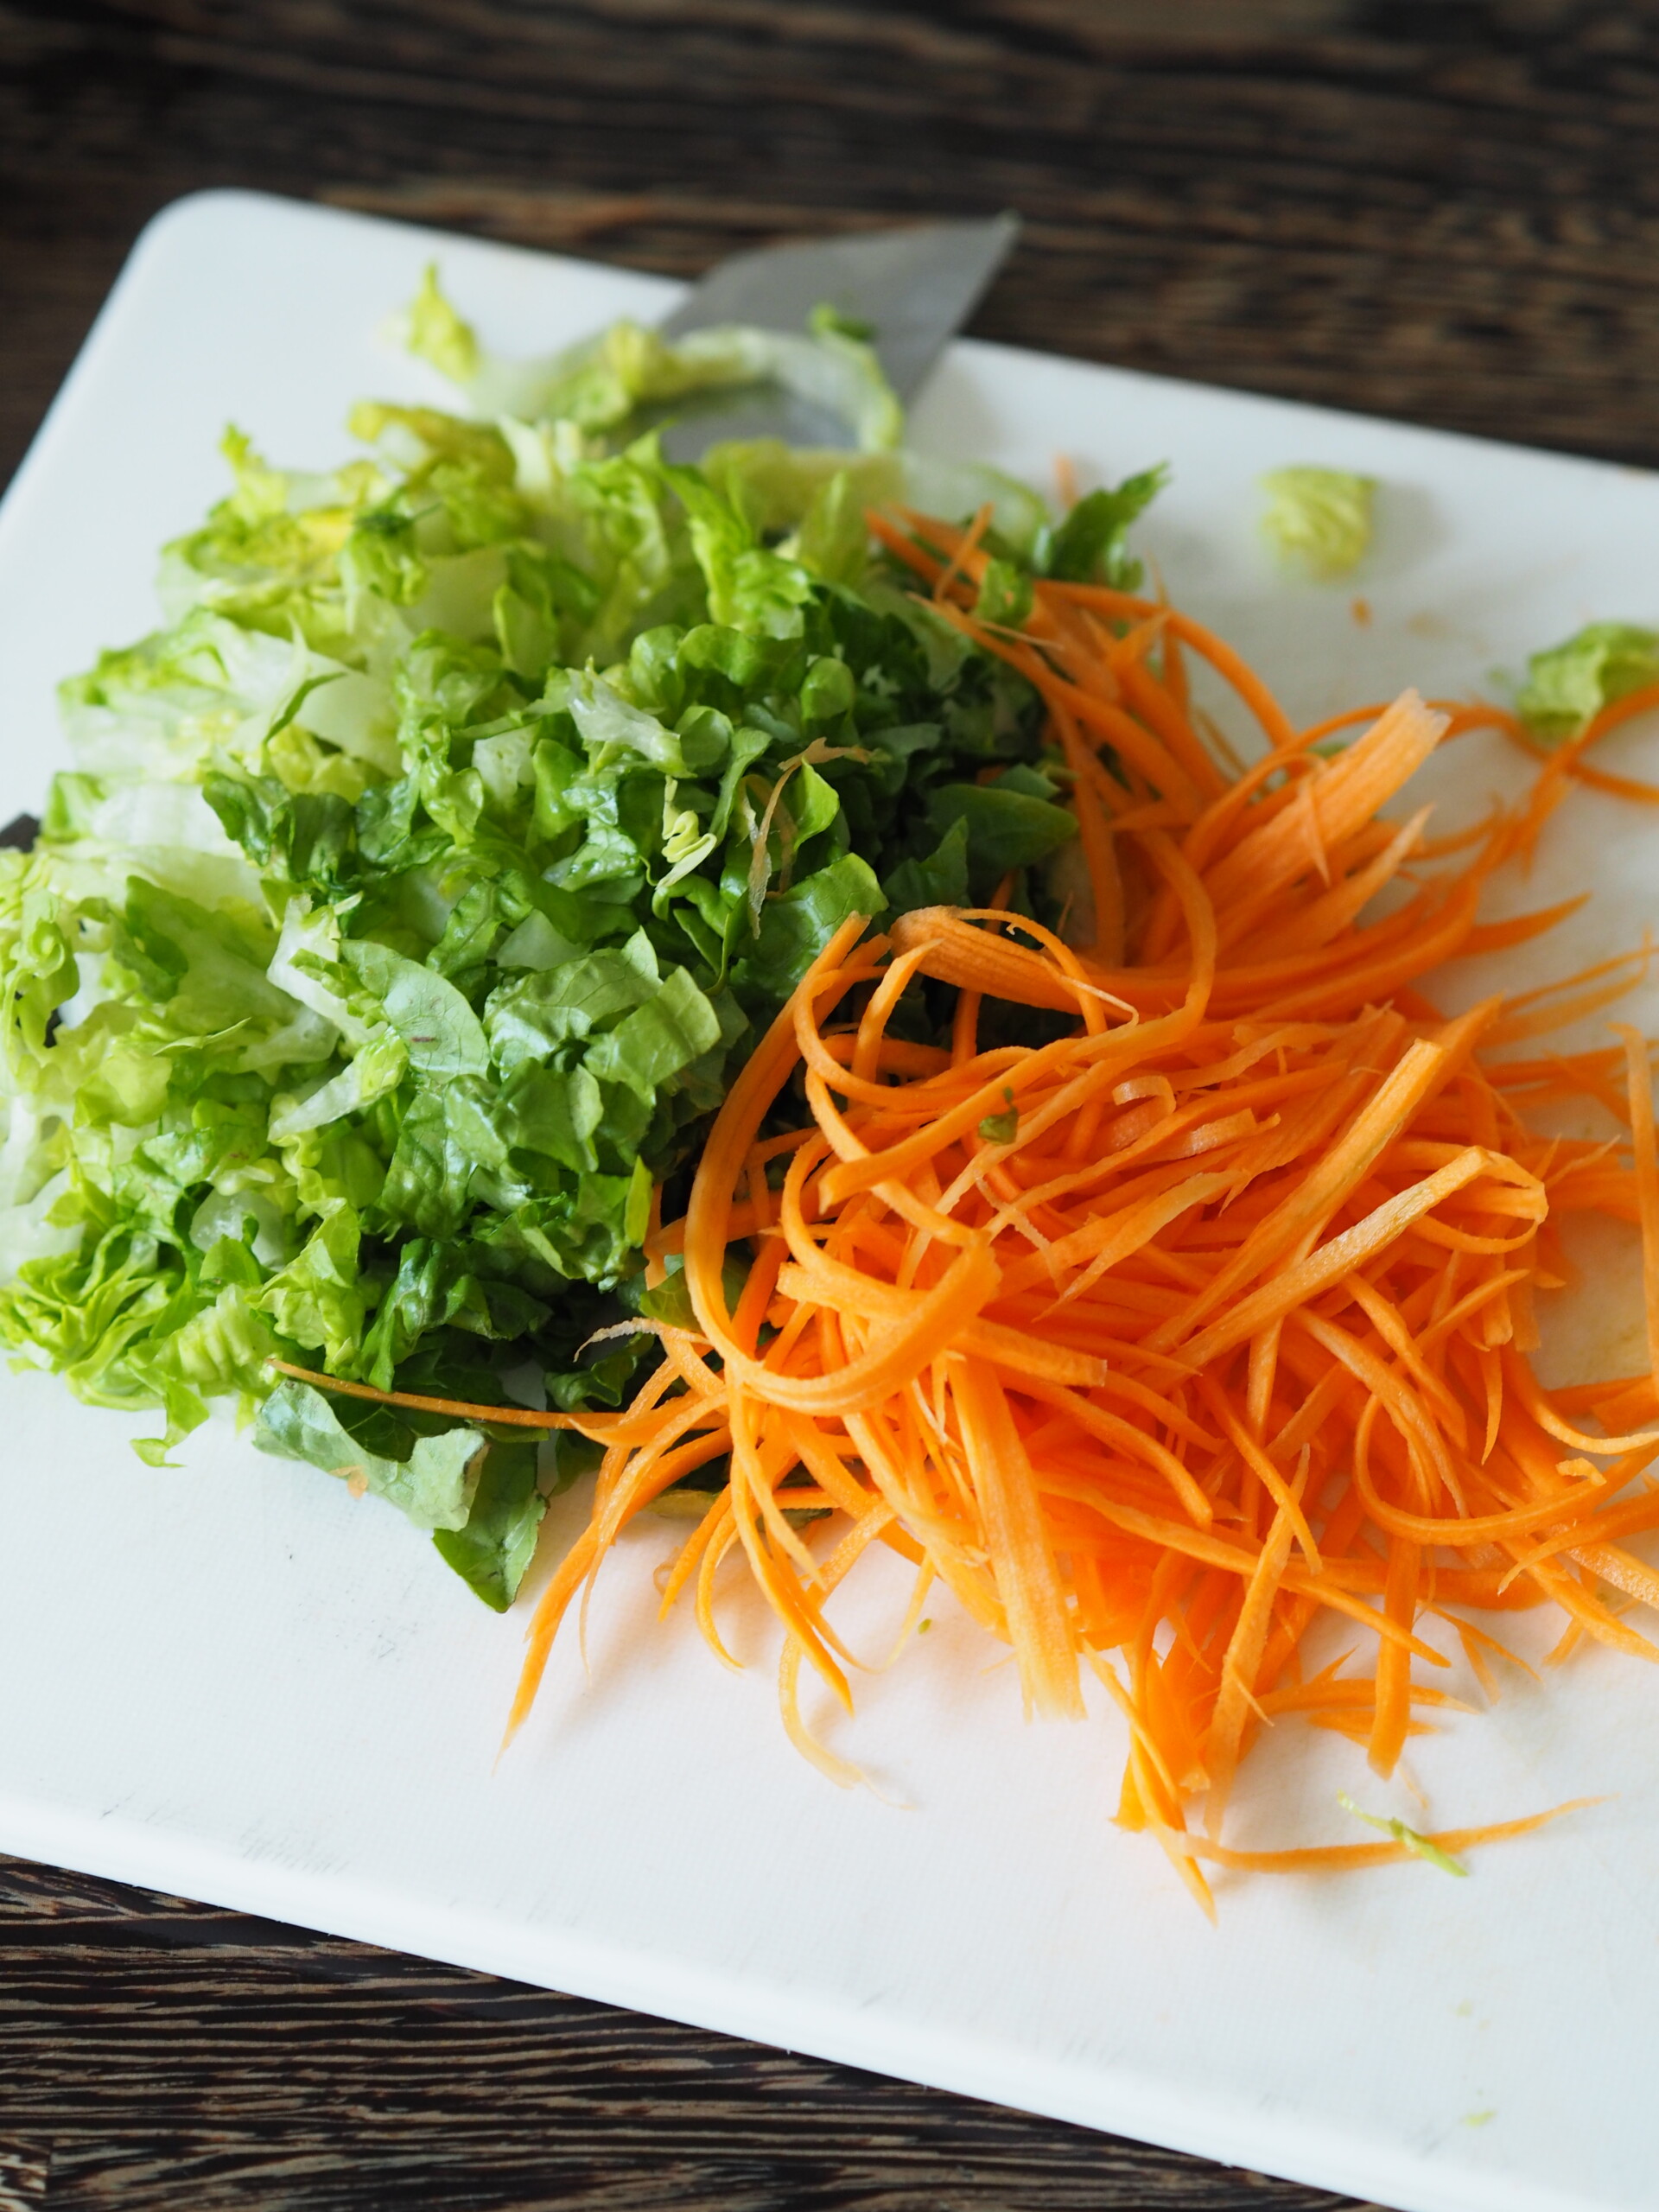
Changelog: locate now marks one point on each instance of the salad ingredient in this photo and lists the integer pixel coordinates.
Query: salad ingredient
(1319, 519)
(1092, 545)
(419, 884)
(1568, 685)
(601, 382)
(1419, 1846)
(1222, 1328)
(1566, 753)
(1350, 1857)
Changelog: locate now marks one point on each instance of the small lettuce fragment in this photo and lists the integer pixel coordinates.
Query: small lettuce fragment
(1005, 594)
(1091, 546)
(1568, 685)
(1319, 519)
(1006, 828)
(599, 383)
(433, 330)
(939, 879)
(435, 1485)
(1004, 1128)
(440, 1035)
(492, 1549)
(799, 923)
(1419, 1846)
(658, 1039)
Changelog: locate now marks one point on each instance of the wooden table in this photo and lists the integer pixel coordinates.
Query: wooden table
(1436, 209)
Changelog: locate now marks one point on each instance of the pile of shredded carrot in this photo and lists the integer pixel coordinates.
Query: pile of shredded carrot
(1160, 1341)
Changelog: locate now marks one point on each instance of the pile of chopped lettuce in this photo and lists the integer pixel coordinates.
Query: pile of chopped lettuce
(421, 884)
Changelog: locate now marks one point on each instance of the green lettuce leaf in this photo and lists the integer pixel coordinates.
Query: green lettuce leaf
(799, 923)
(491, 1550)
(1005, 594)
(602, 382)
(1090, 546)
(1006, 829)
(1319, 519)
(435, 1485)
(1567, 685)
(940, 880)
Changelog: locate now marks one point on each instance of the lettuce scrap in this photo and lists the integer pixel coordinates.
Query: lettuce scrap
(419, 884)
(1568, 685)
(1418, 1845)
(1092, 545)
(601, 382)
(1319, 519)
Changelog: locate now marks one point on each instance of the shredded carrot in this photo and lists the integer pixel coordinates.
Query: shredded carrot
(591, 1424)
(1159, 1341)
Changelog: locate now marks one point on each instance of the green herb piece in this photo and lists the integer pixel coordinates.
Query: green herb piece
(1006, 828)
(1002, 1128)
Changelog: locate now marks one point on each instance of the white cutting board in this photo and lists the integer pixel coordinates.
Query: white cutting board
(234, 1681)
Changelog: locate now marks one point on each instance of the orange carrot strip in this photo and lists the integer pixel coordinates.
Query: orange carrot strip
(1639, 1077)
(1347, 1858)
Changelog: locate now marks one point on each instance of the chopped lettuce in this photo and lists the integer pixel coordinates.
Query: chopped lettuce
(435, 1482)
(601, 382)
(1319, 519)
(1568, 685)
(1092, 545)
(1418, 1846)
(497, 1542)
(419, 886)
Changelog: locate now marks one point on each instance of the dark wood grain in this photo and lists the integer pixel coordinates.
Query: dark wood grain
(1432, 209)
(159, 2054)
(1445, 210)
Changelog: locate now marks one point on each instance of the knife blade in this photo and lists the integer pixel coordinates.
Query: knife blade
(914, 286)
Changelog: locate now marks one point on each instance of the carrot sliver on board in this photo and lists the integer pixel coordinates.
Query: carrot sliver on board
(1162, 1340)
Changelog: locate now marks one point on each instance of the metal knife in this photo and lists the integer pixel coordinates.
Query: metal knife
(914, 286)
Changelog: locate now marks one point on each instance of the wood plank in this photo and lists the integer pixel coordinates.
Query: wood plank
(1444, 212)
(161, 2054)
